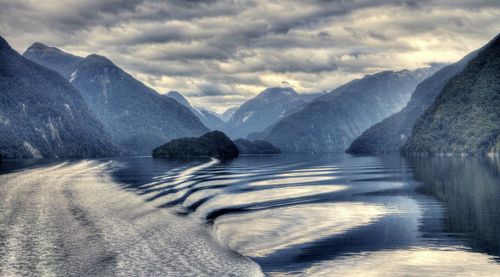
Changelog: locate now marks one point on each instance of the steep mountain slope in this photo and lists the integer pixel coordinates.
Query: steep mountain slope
(209, 119)
(309, 97)
(465, 117)
(331, 122)
(227, 114)
(43, 116)
(137, 117)
(389, 135)
(258, 113)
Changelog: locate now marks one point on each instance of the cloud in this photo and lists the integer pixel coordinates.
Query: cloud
(209, 89)
(221, 52)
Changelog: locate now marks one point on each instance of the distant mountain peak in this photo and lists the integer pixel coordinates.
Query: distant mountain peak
(425, 72)
(98, 58)
(264, 109)
(39, 46)
(277, 91)
(62, 62)
(210, 119)
(331, 122)
(176, 93)
(177, 96)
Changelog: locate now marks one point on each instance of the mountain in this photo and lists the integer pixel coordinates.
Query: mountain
(213, 144)
(225, 116)
(309, 97)
(62, 62)
(177, 96)
(209, 119)
(268, 107)
(330, 123)
(255, 147)
(43, 116)
(136, 116)
(465, 117)
(389, 135)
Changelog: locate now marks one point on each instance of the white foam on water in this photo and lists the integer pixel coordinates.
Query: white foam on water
(72, 219)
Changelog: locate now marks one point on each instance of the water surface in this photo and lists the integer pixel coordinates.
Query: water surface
(334, 215)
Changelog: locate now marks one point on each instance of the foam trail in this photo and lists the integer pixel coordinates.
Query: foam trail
(72, 220)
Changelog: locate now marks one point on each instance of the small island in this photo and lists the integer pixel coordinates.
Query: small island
(213, 144)
(259, 147)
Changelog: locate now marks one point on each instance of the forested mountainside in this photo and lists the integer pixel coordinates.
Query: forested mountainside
(465, 117)
(213, 144)
(390, 134)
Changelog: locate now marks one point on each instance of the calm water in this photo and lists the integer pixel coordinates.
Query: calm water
(295, 214)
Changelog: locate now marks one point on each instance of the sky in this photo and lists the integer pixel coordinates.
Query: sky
(221, 53)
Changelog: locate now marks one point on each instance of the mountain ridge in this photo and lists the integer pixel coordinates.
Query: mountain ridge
(209, 119)
(465, 116)
(43, 116)
(137, 117)
(390, 134)
(263, 110)
(330, 122)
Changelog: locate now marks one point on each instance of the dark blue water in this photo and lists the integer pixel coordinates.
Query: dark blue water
(334, 214)
(315, 213)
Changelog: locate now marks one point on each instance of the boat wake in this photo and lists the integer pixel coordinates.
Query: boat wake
(70, 219)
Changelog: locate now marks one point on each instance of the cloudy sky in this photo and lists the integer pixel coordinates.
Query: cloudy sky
(220, 53)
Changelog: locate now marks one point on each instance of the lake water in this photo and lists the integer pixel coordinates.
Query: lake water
(313, 215)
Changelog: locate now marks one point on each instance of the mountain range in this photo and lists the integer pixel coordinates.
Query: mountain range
(465, 116)
(58, 105)
(136, 116)
(208, 118)
(43, 116)
(390, 134)
(263, 110)
(331, 122)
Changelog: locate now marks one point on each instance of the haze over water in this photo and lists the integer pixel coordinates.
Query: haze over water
(334, 215)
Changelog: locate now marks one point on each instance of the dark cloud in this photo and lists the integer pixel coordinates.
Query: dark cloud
(221, 52)
(209, 89)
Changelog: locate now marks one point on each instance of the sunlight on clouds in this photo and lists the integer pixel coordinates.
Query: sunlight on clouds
(244, 47)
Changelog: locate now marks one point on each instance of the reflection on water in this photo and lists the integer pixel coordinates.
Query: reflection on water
(339, 215)
(333, 215)
(470, 189)
(264, 232)
(408, 262)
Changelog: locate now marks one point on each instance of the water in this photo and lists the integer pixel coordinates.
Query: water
(328, 215)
